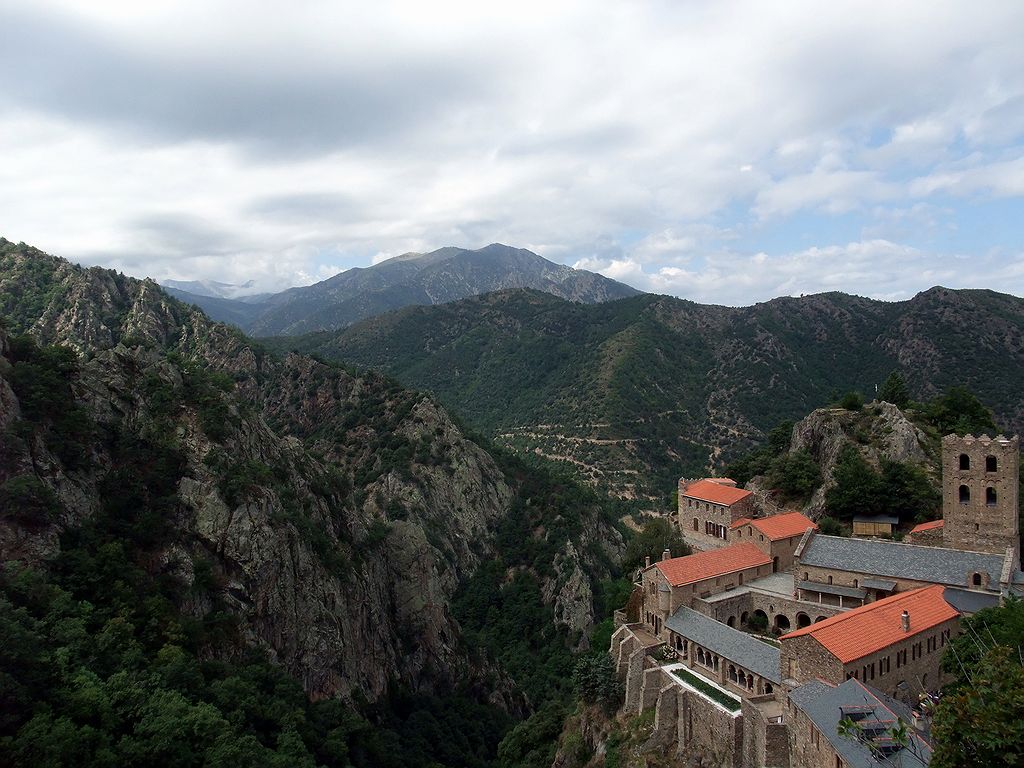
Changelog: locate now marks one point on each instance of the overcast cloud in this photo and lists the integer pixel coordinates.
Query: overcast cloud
(724, 152)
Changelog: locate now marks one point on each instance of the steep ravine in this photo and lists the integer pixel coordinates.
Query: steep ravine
(336, 513)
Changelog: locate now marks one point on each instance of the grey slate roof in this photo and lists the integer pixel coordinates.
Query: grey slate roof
(823, 704)
(911, 561)
(738, 647)
(832, 589)
(967, 601)
(882, 584)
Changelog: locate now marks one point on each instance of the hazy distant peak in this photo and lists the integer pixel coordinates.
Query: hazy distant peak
(213, 288)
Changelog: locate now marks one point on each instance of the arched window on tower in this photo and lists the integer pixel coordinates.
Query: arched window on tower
(965, 494)
(965, 461)
(990, 496)
(991, 464)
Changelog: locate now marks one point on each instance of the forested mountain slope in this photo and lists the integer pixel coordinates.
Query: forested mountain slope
(633, 393)
(437, 277)
(213, 501)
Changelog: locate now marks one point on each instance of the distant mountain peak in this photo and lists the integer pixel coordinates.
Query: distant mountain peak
(410, 279)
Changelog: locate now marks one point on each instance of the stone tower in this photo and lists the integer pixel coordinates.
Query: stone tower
(979, 492)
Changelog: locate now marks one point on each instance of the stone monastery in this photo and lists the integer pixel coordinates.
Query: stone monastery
(752, 650)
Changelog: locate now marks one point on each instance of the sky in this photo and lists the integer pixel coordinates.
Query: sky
(724, 152)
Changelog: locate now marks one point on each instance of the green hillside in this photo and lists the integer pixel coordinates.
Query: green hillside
(632, 393)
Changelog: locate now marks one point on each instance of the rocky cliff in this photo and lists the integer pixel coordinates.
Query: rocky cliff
(332, 514)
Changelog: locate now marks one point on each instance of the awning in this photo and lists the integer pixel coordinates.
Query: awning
(885, 586)
(832, 589)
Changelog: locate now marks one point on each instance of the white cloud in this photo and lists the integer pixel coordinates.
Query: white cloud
(278, 141)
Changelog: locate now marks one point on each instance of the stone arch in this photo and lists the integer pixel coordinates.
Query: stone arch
(743, 618)
(990, 496)
(760, 619)
(782, 622)
(768, 688)
(732, 673)
(965, 494)
(731, 621)
(820, 618)
(991, 464)
(965, 461)
(802, 620)
(976, 579)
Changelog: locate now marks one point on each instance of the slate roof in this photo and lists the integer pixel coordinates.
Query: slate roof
(738, 647)
(716, 493)
(872, 627)
(883, 584)
(716, 562)
(969, 601)
(910, 561)
(824, 705)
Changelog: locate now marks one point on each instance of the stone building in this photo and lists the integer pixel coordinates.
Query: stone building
(979, 492)
(894, 644)
(708, 507)
(814, 711)
(678, 581)
(834, 570)
(777, 536)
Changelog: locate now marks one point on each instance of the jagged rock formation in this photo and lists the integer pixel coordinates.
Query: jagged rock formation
(879, 430)
(336, 513)
(413, 278)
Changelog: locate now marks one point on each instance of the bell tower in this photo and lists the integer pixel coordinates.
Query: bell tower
(979, 492)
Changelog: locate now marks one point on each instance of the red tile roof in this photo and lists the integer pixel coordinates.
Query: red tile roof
(741, 522)
(784, 526)
(716, 562)
(716, 493)
(866, 630)
(930, 526)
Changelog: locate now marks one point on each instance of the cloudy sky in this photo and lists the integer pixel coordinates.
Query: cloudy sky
(725, 152)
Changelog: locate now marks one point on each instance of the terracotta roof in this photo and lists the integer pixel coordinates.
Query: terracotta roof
(863, 631)
(784, 526)
(716, 562)
(709, 490)
(930, 526)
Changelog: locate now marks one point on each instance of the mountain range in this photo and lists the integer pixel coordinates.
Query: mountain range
(431, 278)
(630, 394)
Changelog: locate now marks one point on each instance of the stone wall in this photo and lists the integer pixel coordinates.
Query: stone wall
(930, 537)
(706, 734)
(804, 659)
(765, 745)
(807, 747)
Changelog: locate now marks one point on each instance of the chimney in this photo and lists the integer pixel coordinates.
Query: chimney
(666, 555)
(905, 621)
(647, 562)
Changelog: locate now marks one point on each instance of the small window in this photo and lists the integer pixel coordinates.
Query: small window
(855, 583)
(965, 461)
(990, 496)
(976, 579)
(965, 494)
(991, 464)
(829, 579)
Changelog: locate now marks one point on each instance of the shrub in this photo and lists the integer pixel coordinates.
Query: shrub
(852, 401)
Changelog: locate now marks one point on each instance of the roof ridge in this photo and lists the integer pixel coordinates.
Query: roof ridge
(906, 544)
